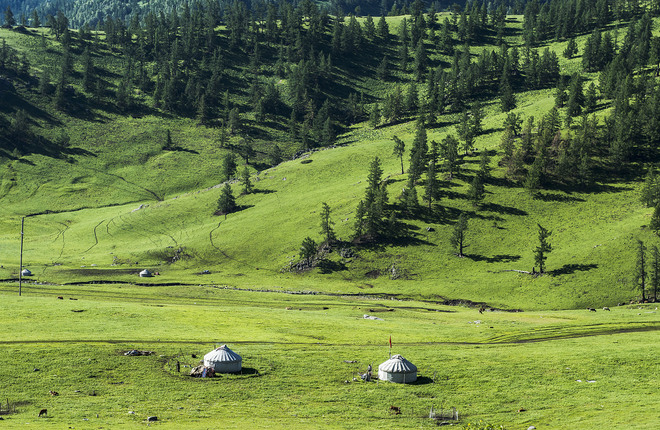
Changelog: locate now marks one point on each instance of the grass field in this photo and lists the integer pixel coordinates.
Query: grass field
(566, 369)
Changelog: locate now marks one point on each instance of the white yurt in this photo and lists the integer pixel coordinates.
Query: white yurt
(145, 274)
(397, 369)
(223, 360)
(26, 272)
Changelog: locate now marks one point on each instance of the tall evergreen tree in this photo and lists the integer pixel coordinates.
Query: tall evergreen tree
(399, 149)
(640, 274)
(449, 151)
(476, 191)
(229, 166)
(431, 187)
(326, 224)
(457, 239)
(226, 202)
(655, 272)
(543, 249)
(247, 183)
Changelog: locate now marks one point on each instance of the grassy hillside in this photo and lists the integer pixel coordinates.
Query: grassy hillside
(114, 202)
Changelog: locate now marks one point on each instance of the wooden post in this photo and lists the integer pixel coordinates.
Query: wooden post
(20, 270)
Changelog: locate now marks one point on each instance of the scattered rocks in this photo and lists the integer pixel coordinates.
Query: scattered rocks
(370, 317)
(135, 353)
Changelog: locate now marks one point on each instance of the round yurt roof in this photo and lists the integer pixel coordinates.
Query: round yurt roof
(397, 364)
(26, 272)
(222, 354)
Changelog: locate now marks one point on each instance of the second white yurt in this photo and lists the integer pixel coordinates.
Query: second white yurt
(223, 360)
(397, 369)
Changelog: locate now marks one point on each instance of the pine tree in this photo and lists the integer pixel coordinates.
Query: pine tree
(247, 184)
(484, 166)
(590, 98)
(326, 224)
(457, 239)
(571, 48)
(655, 272)
(383, 70)
(449, 151)
(650, 192)
(409, 198)
(575, 96)
(226, 202)
(374, 200)
(399, 149)
(420, 60)
(9, 17)
(507, 98)
(654, 224)
(640, 274)
(476, 191)
(374, 116)
(35, 19)
(533, 181)
(229, 166)
(466, 131)
(431, 187)
(359, 225)
(276, 155)
(543, 249)
(308, 250)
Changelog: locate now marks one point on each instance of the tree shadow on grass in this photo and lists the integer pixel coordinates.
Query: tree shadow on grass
(568, 269)
(180, 149)
(508, 210)
(549, 197)
(262, 191)
(500, 258)
(328, 266)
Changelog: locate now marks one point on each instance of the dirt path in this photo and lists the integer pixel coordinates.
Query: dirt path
(648, 328)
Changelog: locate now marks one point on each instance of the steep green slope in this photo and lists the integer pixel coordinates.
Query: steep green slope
(121, 203)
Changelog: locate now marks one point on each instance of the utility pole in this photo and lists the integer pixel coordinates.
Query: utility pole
(20, 270)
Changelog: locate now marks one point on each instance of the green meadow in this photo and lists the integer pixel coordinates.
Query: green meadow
(114, 202)
(550, 369)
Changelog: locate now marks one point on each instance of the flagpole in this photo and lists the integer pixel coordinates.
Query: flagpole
(390, 346)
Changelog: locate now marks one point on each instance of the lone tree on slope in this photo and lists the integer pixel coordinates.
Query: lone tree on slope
(458, 238)
(541, 252)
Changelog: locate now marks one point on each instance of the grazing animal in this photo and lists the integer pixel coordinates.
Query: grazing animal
(522, 410)
(43, 412)
(606, 308)
(60, 297)
(71, 298)
(395, 409)
(53, 393)
(591, 309)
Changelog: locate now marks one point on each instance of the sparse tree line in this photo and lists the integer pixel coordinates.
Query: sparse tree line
(646, 276)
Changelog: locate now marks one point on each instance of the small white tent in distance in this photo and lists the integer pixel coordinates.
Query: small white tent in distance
(223, 360)
(397, 369)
